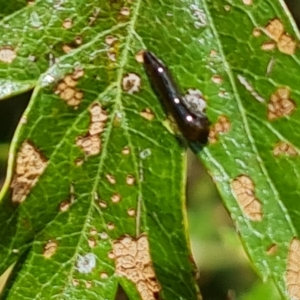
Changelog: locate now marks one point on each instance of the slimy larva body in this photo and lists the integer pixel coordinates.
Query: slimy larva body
(193, 126)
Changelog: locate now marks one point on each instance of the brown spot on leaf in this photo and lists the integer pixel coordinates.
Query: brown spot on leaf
(69, 81)
(272, 249)
(147, 113)
(217, 79)
(221, 126)
(110, 178)
(139, 56)
(256, 32)
(287, 45)
(68, 93)
(125, 11)
(133, 261)
(97, 113)
(67, 49)
(130, 180)
(67, 90)
(280, 104)
(77, 73)
(274, 29)
(93, 18)
(91, 142)
(110, 40)
(67, 23)
(75, 282)
(78, 97)
(30, 164)
(103, 235)
(284, 148)
(243, 188)
(7, 54)
(102, 204)
(268, 46)
(88, 284)
(103, 275)
(96, 127)
(293, 270)
(213, 53)
(113, 47)
(64, 206)
(79, 162)
(50, 249)
(93, 231)
(110, 226)
(112, 55)
(247, 2)
(115, 198)
(131, 212)
(111, 255)
(126, 150)
(78, 40)
(131, 83)
(92, 242)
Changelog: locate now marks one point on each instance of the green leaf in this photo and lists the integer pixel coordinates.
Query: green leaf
(8, 7)
(36, 36)
(253, 153)
(261, 291)
(79, 199)
(247, 72)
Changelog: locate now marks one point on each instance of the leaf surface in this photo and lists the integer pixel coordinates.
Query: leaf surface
(8, 7)
(254, 144)
(243, 56)
(80, 191)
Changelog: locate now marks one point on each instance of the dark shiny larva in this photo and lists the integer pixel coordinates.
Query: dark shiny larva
(195, 128)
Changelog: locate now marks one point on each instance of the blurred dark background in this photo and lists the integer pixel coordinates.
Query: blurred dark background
(225, 272)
